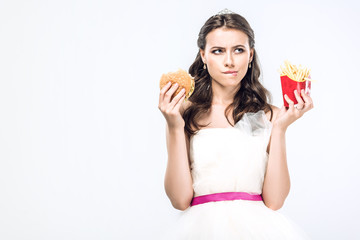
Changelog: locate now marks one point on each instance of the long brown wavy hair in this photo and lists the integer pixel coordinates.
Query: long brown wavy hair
(252, 95)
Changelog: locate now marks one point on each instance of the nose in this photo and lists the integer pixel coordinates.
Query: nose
(229, 61)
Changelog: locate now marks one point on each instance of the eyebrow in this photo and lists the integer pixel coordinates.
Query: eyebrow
(232, 47)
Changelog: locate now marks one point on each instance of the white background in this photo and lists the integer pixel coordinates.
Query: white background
(82, 142)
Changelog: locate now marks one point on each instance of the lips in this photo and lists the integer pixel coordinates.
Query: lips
(232, 73)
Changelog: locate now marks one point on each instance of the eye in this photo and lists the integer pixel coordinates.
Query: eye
(217, 51)
(239, 50)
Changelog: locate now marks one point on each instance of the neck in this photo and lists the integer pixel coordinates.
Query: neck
(223, 95)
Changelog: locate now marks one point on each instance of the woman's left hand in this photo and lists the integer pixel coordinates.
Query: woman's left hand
(287, 116)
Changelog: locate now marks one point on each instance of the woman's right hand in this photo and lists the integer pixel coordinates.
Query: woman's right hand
(170, 108)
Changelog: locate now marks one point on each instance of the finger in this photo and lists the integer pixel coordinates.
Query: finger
(308, 100)
(300, 104)
(179, 102)
(163, 91)
(298, 98)
(170, 92)
(176, 99)
(282, 111)
(306, 97)
(289, 101)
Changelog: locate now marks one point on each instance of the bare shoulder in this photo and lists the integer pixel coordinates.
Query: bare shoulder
(275, 110)
(185, 105)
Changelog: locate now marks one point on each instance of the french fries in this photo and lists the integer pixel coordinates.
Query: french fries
(296, 73)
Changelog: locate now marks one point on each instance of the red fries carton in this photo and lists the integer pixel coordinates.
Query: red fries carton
(288, 87)
(294, 77)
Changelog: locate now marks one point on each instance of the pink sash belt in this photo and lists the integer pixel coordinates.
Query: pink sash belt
(225, 196)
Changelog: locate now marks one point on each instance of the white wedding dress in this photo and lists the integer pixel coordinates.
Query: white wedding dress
(232, 159)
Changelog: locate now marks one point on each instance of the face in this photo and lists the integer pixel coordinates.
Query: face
(227, 55)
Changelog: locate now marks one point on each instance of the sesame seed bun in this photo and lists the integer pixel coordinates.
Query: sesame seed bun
(182, 78)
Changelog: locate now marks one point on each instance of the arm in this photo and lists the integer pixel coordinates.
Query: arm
(178, 180)
(276, 185)
(277, 179)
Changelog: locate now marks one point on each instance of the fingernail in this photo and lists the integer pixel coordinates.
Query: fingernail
(183, 90)
(176, 84)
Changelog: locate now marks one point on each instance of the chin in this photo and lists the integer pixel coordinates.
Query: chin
(235, 83)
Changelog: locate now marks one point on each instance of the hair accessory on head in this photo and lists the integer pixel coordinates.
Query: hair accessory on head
(225, 11)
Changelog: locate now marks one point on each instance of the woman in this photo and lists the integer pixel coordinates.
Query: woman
(227, 166)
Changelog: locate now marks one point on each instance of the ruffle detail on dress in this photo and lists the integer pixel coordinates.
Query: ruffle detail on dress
(255, 124)
(234, 220)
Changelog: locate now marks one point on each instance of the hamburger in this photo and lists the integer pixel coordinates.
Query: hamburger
(182, 78)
